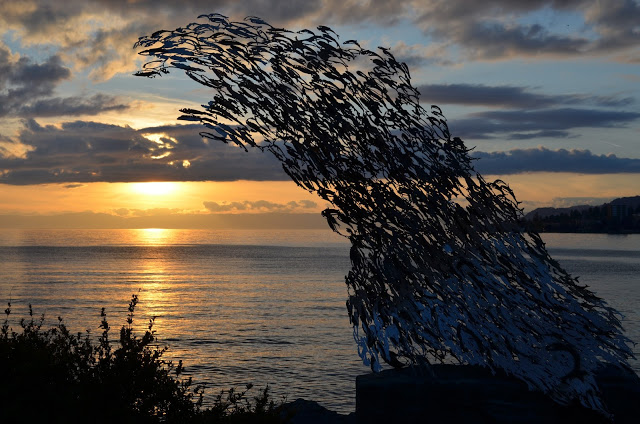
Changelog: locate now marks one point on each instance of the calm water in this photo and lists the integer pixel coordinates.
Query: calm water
(265, 307)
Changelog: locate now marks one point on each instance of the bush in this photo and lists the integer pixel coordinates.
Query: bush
(52, 375)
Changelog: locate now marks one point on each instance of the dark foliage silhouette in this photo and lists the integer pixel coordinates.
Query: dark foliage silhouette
(440, 267)
(54, 376)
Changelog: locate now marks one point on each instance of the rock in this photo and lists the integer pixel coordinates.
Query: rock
(471, 394)
(303, 411)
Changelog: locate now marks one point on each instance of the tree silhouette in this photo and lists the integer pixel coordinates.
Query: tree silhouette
(441, 269)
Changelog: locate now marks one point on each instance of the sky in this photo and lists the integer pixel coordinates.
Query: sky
(547, 93)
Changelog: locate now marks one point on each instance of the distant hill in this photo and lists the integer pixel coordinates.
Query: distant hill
(632, 202)
(621, 215)
(546, 212)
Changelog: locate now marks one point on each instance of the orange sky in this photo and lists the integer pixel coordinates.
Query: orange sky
(191, 198)
(530, 89)
(112, 197)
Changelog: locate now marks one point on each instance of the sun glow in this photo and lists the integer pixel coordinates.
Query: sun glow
(154, 189)
(154, 237)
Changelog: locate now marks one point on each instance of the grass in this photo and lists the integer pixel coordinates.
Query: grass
(52, 375)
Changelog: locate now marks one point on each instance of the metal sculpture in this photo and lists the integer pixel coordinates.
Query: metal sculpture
(441, 269)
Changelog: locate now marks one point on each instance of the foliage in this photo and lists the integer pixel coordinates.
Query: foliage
(441, 266)
(53, 375)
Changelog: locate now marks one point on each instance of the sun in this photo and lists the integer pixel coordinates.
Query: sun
(154, 188)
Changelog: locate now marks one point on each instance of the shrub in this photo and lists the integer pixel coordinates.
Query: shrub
(52, 375)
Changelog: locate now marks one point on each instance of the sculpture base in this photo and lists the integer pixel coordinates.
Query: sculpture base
(471, 394)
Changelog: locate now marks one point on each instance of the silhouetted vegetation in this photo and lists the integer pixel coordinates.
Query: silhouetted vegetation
(52, 375)
(596, 219)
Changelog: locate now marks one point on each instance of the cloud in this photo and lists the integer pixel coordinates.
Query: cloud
(125, 212)
(27, 89)
(98, 34)
(512, 97)
(541, 159)
(503, 29)
(566, 202)
(495, 30)
(70, 106)
(121, 211)
(525, 124)
(496, 40)
(540, 134)
(108, 52)
(9, 148)
(418, 55)
(21, 79)
(83, 151)
(259, 206)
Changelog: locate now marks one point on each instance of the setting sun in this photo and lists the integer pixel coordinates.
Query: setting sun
(154, 188)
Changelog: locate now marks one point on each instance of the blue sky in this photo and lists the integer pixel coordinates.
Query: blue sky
(546, 91)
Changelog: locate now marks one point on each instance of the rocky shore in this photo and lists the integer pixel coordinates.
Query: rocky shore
(468, 394)
(303, 411)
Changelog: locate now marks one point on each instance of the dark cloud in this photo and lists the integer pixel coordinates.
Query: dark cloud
(540, 134)
(494, 40)
(418, 55)
(385, 12)
(70, 106)
(559, 119)
(275, 10)
(259, 206)
(490, 30)
(27, 89)
(482, 30)
(523, 124)
(541, 159)
(45, 16)
(510, 97)
(98, 34)
(80, 152)
(22, 79)
(607, 101)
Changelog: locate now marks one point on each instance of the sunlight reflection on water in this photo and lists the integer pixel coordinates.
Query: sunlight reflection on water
(245, 306)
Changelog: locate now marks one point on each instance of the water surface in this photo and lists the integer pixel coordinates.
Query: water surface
(266, 307)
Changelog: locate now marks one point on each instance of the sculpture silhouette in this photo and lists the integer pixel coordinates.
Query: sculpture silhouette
(441, 269)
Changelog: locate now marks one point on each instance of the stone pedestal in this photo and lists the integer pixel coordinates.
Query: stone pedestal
(470, 394)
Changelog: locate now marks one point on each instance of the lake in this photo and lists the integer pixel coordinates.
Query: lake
(245, 306)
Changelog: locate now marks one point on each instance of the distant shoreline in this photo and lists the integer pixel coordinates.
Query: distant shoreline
(618, 233)
(274, 228)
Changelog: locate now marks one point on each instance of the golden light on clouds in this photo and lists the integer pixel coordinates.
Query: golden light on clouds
(14, 150)
(129, 198)
(159, 139)
(534, 189)
(192, 201)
